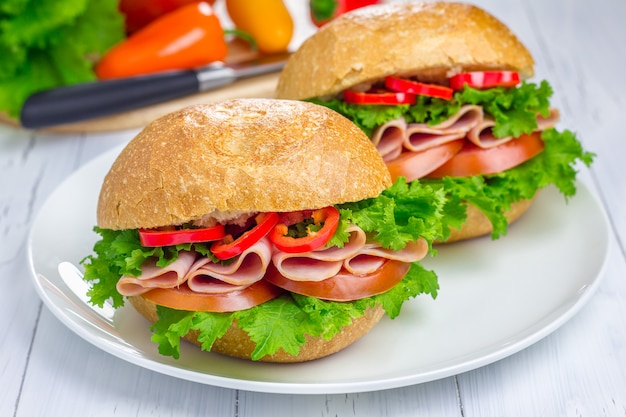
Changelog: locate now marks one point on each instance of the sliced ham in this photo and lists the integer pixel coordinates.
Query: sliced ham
(548, 122)
(249, 267)
(421, 136)
(372, 256)
(389, 138)
(482, 135)
(319, 265)
(153, 276)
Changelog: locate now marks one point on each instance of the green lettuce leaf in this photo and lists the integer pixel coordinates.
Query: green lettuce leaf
(45, 44)
(494, 194)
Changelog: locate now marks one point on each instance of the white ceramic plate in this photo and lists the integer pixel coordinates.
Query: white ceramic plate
(496, 298)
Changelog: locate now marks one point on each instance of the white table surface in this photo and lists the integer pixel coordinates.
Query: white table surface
(578, 370)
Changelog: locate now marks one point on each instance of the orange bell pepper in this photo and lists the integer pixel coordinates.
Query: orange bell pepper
(188, 37)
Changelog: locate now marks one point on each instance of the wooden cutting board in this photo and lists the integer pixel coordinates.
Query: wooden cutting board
(256, 87)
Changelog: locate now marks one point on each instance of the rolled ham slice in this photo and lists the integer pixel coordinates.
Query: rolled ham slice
(249, 267)
(372, 256)
(153, 276)
(389, 138)
(319, 265)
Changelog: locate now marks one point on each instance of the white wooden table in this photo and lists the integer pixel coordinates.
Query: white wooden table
(578, 370)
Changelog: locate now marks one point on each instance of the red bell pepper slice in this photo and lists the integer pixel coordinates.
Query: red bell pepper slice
(392, 98)
(228, 247)
(171, 236)
(327, 218)
(484, 79)
(414, 87)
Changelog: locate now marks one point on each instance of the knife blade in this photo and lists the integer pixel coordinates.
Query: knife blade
(86, 101)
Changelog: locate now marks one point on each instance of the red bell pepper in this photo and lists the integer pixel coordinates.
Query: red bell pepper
(383, 97)
(326, 219)
(484, 79)
(323, 11)
(139, 13)
(172, 236)
(229, 248)
(414, 87)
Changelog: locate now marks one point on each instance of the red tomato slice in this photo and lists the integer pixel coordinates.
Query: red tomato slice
(414, 87)
(228, 248)
(329, 216)
(156, 237)
(414, 165)
(344, 286)
(182, 298)
(484, 79)
(391, 98)
(472, 160)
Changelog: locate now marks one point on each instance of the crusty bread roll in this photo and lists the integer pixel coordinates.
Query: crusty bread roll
(243, 156)
(427, 40)
(239, 156)
(236, 343)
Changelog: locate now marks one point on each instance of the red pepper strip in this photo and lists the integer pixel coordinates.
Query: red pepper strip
(392, 98)
(189, 37)
(484, 79)
(156, 237)
(329, 216)
(414, 87)
(228, 248)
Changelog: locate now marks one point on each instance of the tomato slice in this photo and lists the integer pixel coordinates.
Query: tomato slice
(228, 247)
(414, 87)
(472, 160)
(414, 165)
(327, 218)
(183, 298)
(168, 237)
(485, 79)
(344, 286)
(390, 98)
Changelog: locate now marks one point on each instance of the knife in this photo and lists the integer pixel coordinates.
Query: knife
(101, 98)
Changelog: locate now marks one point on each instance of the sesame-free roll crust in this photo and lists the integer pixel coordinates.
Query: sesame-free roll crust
(246, 155)
(429, 40)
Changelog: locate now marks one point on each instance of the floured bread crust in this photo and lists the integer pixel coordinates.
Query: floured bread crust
(429, 40)
(239, 156)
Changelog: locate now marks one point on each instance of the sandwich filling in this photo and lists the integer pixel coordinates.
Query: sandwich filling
(485, 138)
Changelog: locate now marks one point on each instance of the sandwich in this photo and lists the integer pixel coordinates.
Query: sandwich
(443, 91)
(259, 229)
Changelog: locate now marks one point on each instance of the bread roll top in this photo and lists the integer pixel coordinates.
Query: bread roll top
(239, 156)
(431, 41)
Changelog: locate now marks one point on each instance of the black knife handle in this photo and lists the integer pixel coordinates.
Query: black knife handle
(90, 100)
